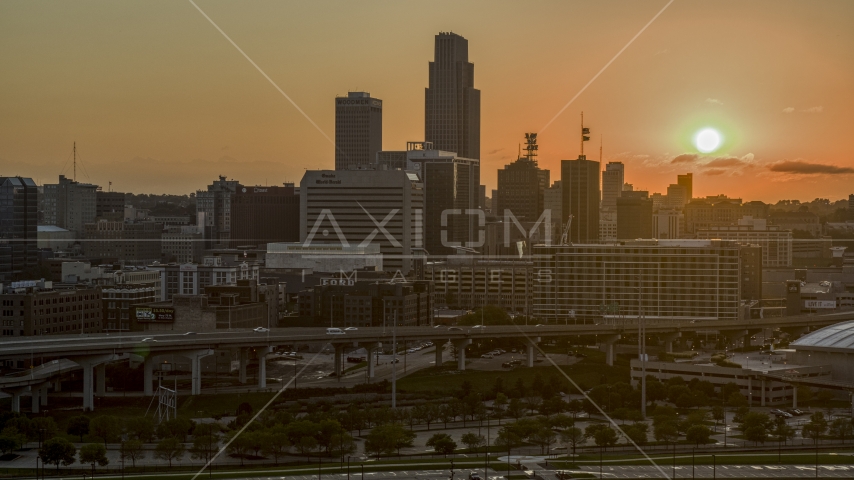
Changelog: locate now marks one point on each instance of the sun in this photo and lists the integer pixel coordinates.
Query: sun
(707, 140)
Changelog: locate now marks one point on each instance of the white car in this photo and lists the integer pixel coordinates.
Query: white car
(351, 329)
(478, 327)
(487, 355)
(261, 330)
(149, 339)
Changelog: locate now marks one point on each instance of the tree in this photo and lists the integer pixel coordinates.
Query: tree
(841, 428)
(605, 436)
(782, 430)
(473, 441)
(169, 449)
(307, 445)
(93, 453)
(13, 437)
(278, 444)
(815, 428)
(7, 443)
(442, 443)
(78, 426)
(388, 439)
(499, 405)
(698, 434)
(575, 407)
(515, 408)
(572, 437)
(718, 414)
(342, 444)
(132, 449)
(141, 428)
(543, 436)
(106, 427)
(44, 428)
(637, 432)
(177, 427)
(756, 434)
(239, 445)
(507, 438)
(666, 432)
(58, 451)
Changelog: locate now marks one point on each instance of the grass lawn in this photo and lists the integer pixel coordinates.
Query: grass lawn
(683, 458)
(589, 372)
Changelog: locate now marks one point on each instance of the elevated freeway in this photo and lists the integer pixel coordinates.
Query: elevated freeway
(94, 351)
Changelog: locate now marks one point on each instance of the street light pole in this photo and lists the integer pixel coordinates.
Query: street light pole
(394, 363)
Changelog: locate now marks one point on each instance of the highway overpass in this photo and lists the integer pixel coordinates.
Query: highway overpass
(93, 351)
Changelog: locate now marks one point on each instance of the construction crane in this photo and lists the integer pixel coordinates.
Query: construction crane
(564, 239)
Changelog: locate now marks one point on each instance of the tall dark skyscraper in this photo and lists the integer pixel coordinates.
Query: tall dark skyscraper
(358, 130)
(580, 182)
(452, 104)
(686, 181)
(522, 185)
(634, 218)
(18, 226)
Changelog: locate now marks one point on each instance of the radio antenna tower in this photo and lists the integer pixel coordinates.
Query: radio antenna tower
(584, 135)
(75, 161)
(531, 147)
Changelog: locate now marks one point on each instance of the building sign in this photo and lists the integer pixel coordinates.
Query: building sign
(25, 284)
(811, 304)
(154, 314)
(348, 282)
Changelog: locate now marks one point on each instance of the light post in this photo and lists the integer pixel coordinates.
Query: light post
(714, 467)
(642, 347)
(348, 467)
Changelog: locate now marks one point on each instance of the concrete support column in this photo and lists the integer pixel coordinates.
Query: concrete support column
(88, 397)
(262, 365)
(57, 386)
(35, 399)
(16, 397)
(195, 358)
(243, 361)
(101, 380)
(607, 342)
(794, 396)
(749, 391)
(148, 376)
(440, 345)
(762, 403)
(43, 395)
(460, 346)
(531, 348)
(371, 349)
(338, 358)
(668, 340)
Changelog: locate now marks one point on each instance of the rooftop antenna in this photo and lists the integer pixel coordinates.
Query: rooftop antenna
(532, 147)
(584, 137)
(75, 161)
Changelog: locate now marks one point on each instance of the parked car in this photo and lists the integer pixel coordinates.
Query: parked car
(779, 413)
(351, 329)
(474, 476)
(261, 330)
(487, 355)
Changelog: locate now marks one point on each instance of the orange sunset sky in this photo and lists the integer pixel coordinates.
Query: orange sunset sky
(158, 101)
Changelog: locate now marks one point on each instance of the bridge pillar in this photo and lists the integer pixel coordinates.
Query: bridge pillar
(338, 358)
(195, 357)
(262, 365)
(531, 349)
(43, 394)
(57, 386)
(440, 346)
(460, 346)
(794, 396)
(243, 360)
(668, 339)
(607, 342)
(148, 376)
(749, 390)
(36, 392)
(88, 364)
(101, 380)
(734, 335)
(371, 349)
(16, 397)
(762, 401)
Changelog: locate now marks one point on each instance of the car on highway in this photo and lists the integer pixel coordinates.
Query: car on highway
(149, 339)
(455, 329)
(351, 329)
(335, 331)
(796, 412)
(781, 414)
(478, 327)
(261, 330)
(190, 333)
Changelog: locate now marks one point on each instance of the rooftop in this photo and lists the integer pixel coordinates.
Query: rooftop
(838, 336)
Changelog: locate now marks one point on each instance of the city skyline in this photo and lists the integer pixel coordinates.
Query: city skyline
(183, 102)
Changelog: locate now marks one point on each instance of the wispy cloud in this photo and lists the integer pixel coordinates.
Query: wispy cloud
(714, 101)
(714, 171)
(724, 162)
(493, 152)
(797, 167)
(817, 109)
(685, 158)
(788, 109)
(661, 52)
